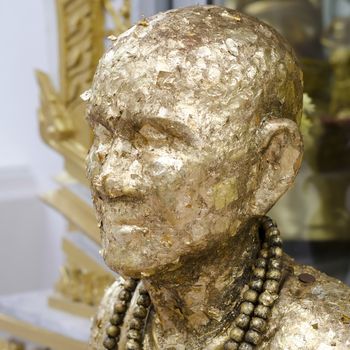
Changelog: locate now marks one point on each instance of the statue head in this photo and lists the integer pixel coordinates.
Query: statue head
(195, 114)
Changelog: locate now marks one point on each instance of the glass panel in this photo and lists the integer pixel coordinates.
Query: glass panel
(315, 215)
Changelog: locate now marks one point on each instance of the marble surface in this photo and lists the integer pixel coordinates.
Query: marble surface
(32, 308)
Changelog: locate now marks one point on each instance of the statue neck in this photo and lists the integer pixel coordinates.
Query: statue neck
(198, 299)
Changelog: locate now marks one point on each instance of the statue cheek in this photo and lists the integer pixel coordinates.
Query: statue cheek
(164, 170)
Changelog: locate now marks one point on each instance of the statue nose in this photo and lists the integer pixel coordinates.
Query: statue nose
(120, 181)
(120, 176)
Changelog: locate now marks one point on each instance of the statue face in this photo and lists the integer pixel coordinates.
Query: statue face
(185, 124)
(164, 188)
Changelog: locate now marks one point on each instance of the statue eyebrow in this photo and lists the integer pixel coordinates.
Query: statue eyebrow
(96, 119)
(94, 115)
(172, 127)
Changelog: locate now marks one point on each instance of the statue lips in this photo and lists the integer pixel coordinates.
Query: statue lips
(129, 229)
(123, 220)
(128, 217)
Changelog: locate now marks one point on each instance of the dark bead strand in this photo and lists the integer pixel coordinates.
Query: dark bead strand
(144, 300)
(255, 308)
(113, 331)
(134, 334)
(276, 241)
(132, 344)
(263, 290)
(258, 324)
(274, 271)
(275, 264)
(242, 321)
(117, 318)
(256, 284)
(262, 311)
(268, 224)
(251, 295)
(237, 334)
(137, 323)
(130, 284)
(273, 274)
(246, 346)
(125, 295)
(110, 343)
(247, 308)
(253, 337)
(231, 345)
(259, 272)
(261, 263)
(271, 232)
(264, 253)
(276, 252)
(268, 297)
(272, 286)
(120, 307)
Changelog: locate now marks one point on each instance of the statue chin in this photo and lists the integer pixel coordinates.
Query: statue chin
(151, 245)
(136, 265)
(137, 255)
(131, 253)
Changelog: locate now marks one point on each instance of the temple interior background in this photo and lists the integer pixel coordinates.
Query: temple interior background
(52, 276)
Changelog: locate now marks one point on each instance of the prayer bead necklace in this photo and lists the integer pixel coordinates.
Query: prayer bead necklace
(249, 325)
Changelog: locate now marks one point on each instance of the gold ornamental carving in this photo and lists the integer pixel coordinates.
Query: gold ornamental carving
(12, 345)
(82, 31)
(83, 286)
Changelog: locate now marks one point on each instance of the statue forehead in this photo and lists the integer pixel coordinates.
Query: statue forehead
(194, 66)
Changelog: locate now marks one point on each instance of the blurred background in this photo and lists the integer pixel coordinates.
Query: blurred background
(52, 277)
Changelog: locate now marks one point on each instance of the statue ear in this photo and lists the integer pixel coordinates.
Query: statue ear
(281, 149)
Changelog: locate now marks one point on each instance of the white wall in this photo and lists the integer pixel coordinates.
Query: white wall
(29, 231)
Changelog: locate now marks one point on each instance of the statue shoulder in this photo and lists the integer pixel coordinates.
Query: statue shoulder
(103, 315)
(313, 312)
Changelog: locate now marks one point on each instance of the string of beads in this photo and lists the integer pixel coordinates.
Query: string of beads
(258, 300)
(254, 310)
(134, 333)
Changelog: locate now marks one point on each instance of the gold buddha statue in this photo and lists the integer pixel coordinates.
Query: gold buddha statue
(195, 114)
